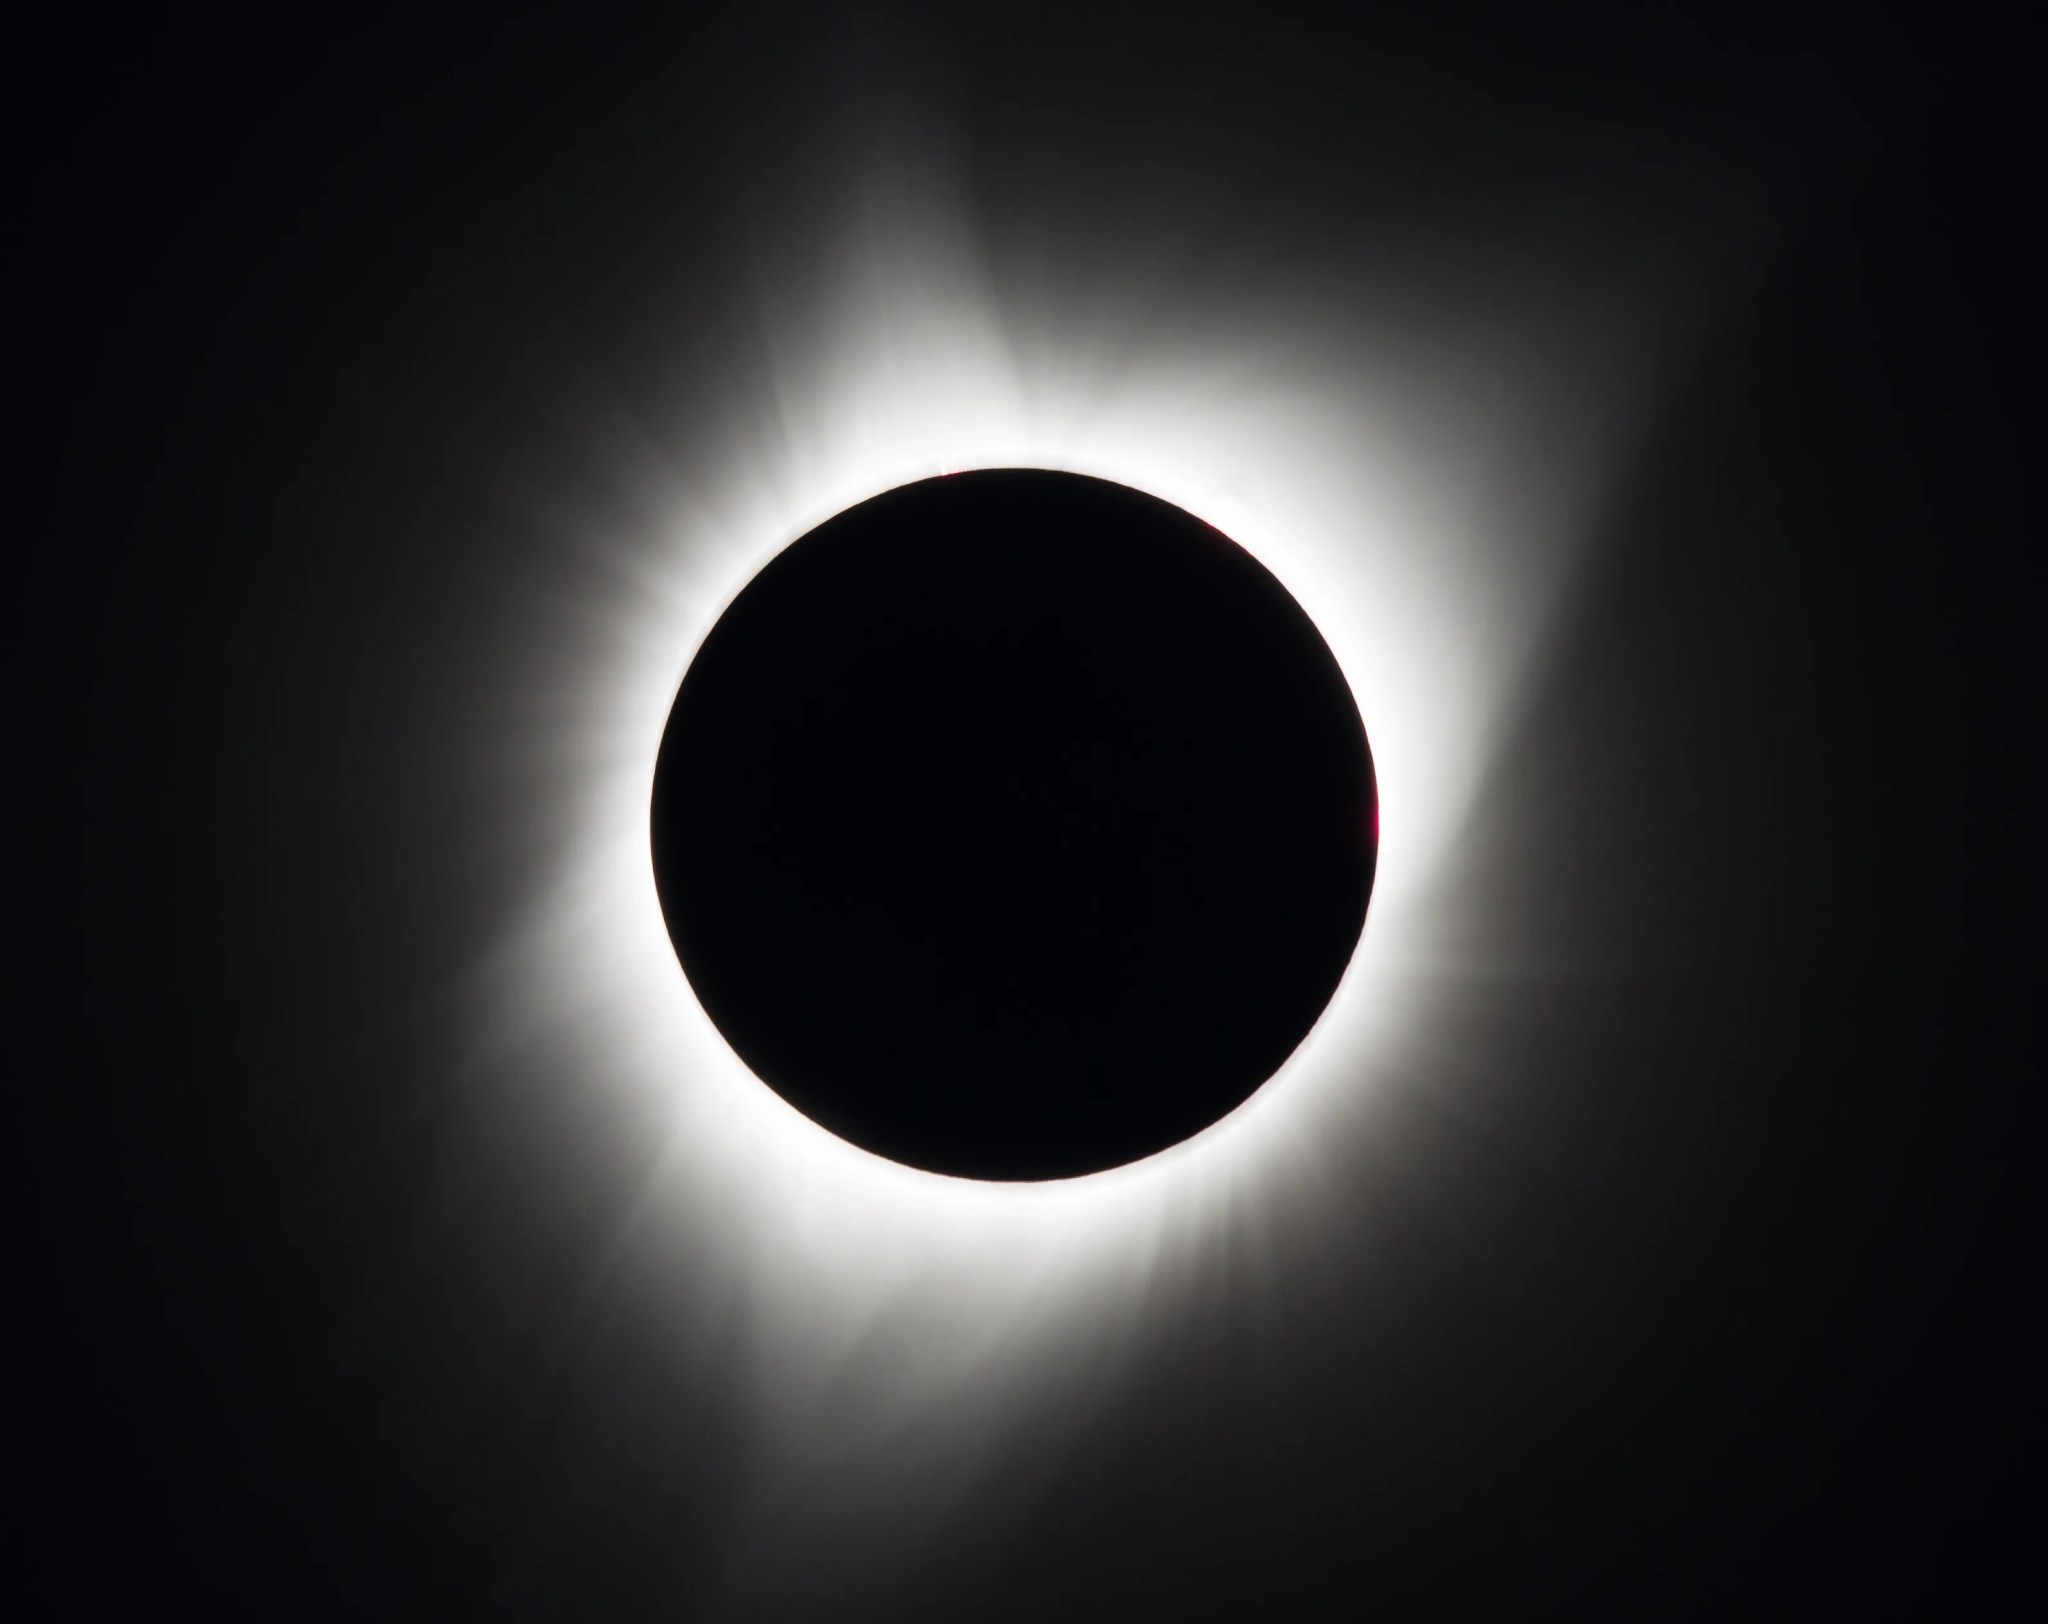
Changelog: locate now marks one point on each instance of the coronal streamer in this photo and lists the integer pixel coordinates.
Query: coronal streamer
(1418, 462)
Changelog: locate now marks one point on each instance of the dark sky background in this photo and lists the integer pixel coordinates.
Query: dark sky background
(1703, 1301)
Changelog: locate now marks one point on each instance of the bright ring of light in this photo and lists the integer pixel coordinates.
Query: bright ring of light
(1396, 498)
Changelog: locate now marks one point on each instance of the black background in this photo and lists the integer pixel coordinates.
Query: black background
(1705, 1304)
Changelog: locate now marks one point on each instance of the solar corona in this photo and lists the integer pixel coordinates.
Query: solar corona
(993, 806)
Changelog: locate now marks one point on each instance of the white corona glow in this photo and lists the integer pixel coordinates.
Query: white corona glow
(1417, 466)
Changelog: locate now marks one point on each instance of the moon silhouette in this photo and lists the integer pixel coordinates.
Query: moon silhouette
(1014, 825)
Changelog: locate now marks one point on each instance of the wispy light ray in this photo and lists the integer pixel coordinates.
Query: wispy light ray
(1420, 472)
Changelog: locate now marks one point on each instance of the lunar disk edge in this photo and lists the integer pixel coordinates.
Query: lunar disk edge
(1014, 825)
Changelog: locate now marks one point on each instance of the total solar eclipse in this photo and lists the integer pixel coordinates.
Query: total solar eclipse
(1014, 825)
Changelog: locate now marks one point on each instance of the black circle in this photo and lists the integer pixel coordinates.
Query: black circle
(1014, 824)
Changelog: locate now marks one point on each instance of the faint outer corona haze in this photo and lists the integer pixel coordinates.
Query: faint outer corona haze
(880, 789)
